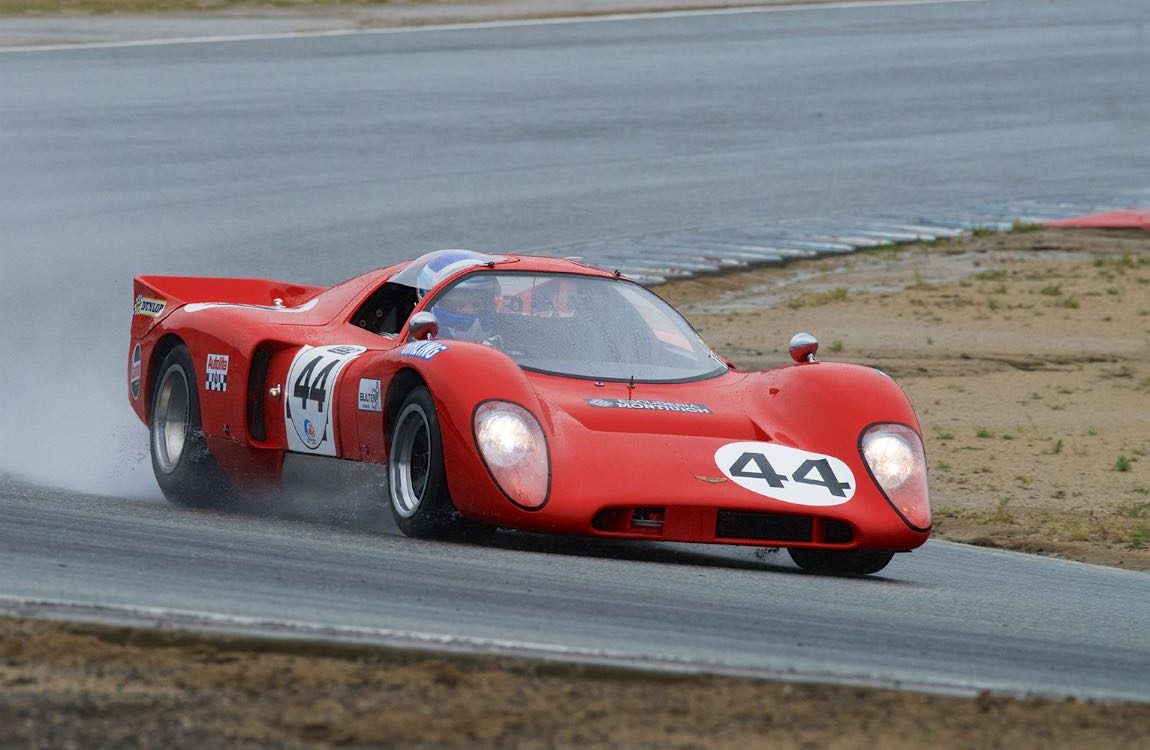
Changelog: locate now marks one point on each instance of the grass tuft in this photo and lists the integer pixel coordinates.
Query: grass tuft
(817, 299)
(1002, 513)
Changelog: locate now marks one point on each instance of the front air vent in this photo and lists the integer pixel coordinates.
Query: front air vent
(837, 532)
(645, 520)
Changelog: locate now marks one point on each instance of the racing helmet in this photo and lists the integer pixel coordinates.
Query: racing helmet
(434, 267)
(467, 308)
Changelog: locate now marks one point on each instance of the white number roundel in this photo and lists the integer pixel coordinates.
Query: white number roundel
(309, 398)
(787, 474)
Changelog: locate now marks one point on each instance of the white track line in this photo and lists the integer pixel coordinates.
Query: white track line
(637, 16)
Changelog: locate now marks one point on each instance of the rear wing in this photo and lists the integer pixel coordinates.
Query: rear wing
(155, 297)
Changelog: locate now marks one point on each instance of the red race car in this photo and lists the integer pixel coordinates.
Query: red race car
(527, 393)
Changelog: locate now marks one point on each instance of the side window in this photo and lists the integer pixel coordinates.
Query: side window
(387, 309)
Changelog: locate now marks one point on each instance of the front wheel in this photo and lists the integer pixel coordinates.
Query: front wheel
(184, 467)
(417, 479)
(840, 562)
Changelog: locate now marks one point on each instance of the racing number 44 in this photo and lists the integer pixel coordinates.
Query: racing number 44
(306, 389)
(763, 470)
(787, 474)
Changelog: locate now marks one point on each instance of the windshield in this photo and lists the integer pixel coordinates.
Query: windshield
(581, 326)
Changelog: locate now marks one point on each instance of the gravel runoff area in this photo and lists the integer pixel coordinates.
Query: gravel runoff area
(1027, 355)
(50, 27)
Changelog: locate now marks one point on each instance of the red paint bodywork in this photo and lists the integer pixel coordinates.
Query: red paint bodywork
(605, 463)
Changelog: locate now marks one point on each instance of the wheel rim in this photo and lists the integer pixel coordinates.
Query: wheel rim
(170, 420)
(410, 461)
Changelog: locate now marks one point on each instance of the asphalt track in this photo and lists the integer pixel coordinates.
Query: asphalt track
(316, 158)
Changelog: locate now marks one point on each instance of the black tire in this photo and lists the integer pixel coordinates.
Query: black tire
(185, 469)
(417, 480)
(840, 562)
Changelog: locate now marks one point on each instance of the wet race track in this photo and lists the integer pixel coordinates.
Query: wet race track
(314, 159)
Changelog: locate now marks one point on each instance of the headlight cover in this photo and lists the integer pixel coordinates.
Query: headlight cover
(894, 455)
(514, 450)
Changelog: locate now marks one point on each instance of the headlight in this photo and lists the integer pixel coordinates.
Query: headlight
(890, 458)
(894, 455)
(513, 448)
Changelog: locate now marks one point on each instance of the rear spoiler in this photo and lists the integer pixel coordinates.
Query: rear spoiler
(155, 297)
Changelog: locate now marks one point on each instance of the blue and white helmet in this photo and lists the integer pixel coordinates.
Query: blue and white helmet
(455, 310)
(426, 271)
(437, 266)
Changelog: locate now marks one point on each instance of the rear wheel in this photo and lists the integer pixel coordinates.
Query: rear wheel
(416, 478)
(184, 467)
(841, 562)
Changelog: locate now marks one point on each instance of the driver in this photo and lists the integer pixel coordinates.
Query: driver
(466, 311)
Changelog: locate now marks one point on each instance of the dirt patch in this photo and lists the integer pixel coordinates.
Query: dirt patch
(1026, 355)
(90, 686)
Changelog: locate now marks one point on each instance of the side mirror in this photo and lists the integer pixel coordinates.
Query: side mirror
(803, 347)
(424, 325)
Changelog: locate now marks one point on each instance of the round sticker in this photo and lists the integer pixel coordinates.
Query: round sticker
(787, 474)
(310, 396)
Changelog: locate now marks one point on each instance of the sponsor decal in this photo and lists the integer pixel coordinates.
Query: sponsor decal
(148, 306)
(308, 405)
(134, 375)
(217, 377)
(643, 404)
(369, 395)
(787, 474)
(422, 349)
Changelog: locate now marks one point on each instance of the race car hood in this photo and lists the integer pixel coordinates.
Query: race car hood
(707, 408)
(805, 406)
(775, 440)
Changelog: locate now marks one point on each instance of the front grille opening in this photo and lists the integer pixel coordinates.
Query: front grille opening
(646, 520)
(775, 527)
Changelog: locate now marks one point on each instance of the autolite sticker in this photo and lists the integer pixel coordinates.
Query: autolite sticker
(217, 377)
(642, 404)
(787, 474)
(148, 306)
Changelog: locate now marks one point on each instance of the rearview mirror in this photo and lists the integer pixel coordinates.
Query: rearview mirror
(424, 325)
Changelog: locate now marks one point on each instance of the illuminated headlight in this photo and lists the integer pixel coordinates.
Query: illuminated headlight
(514, 449)
(894, 455)
(890, 457)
